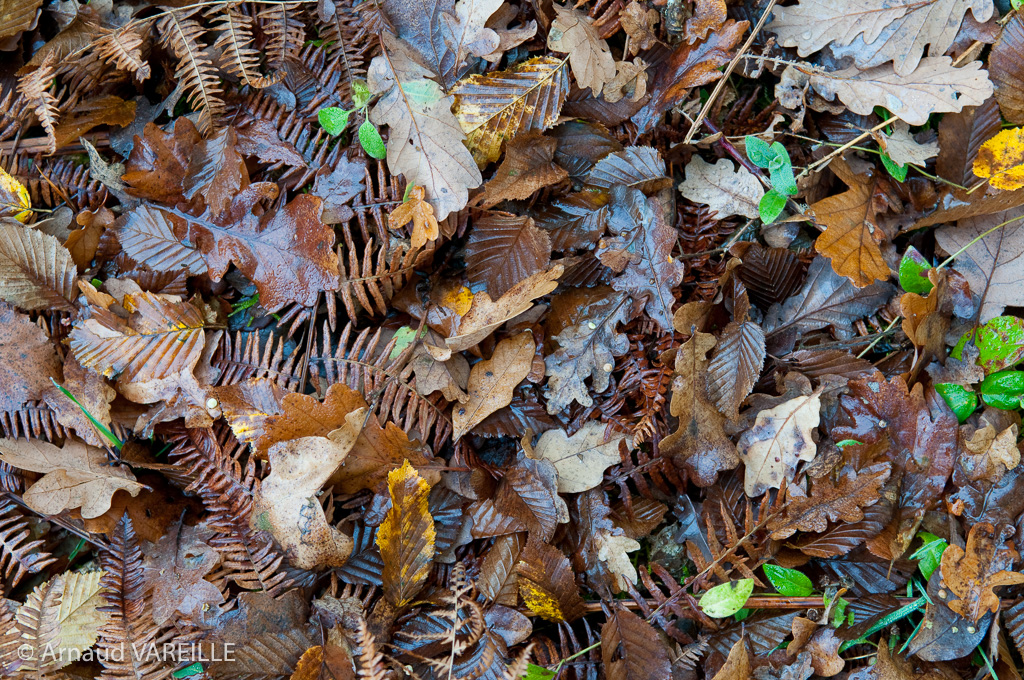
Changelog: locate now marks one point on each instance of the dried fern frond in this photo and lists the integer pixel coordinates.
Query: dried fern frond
(234, 43)
(348, 53)
(12, 113)
(122, 48)
(130, 626)
(371, 661)
(34, 420)
(16, 556)
(242, 355)
(284, 25)
(195, 72)
(35, 87)
(372, 280)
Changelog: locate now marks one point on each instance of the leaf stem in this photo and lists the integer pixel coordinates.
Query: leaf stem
(976, 239)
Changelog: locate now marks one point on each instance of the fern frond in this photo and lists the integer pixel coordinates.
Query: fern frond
(239, 57)
(34, 420)
(35, 87)
(372, 280)
(195, 72)
(371, 661)
(16, 555)
(244, 355)
(122, 48)
(285, 29)
(12, 113)
(130, 626)
(38, 623)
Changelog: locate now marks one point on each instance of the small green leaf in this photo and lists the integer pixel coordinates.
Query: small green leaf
(1003, 390)
(913, 272)
(403, 336)
(535, 672)
(360, 94)
(726, 599)
(771, 206)
(1000, 344)
(849, 442)
(788, 582)
(758, 151)
(780, 170)
(960, 400)
(194, 669)
(333, 120)
(371, 140)
(929, 554)
(899, 172)
(96, 283)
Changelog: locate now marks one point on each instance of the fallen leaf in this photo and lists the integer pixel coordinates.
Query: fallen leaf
(546, 583)
(735, 366)
(37, 271)
(421, 214)
(632, 648)
(1001, 160)
(725, 189)
(973, 573)
(176, 567)
(638, 22)
(28, 360)
(491, 382)
(61, 614)
(903, 148)
(406, 537)
(505, 249)
(573, 33)
(92, 392)
(527, 168)
(831, 501)
(582, 458)
(1006, 66)
(75, 476)
(779, 439)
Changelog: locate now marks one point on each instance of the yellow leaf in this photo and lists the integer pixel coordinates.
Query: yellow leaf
(60, 620)
(406, 536)
(14, 198)
(1001, 160)
(539, 602)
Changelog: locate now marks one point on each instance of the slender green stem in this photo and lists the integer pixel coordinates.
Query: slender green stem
(978, 238)
(880, 336)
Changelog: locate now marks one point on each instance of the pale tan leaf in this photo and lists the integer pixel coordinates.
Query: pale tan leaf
(491, 381)
(725, 189)
(424, 140)
(60, 620)
(36, 270)
(779, 439)
(75, 476)
(573, 33)
(92, 392)
(614, 552)
(903, 148)
(582, 458)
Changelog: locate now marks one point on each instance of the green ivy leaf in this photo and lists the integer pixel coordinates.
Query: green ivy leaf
(771, 206)
(913, 276)
(333, 120)
(899, 172)
(849, 442)
(960, 400)
(758, 151)
(929, 554)
(371, 140)
(360, 94)
(1003, 390)
(1000, 344)
(788, 582)
(726, 599)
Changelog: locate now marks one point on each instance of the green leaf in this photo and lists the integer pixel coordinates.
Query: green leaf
(1000, 344)
(726, 599)
(535, 672)
(194, 669)
(371, 140)
(1003, 390)
(403, 336)
(780, 171)
(899, 172)
(360, 94)
(758, 151)
(111, 437)
(913, 276)
(788, 582)
(849, 442)
(960, 400)
(929, 554)
(333, 120)
(771, 206)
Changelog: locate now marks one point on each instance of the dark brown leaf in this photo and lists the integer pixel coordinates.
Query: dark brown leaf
(504, 249)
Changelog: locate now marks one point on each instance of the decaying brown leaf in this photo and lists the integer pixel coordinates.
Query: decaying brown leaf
(972, 573)
(780, 438)
(491, 381)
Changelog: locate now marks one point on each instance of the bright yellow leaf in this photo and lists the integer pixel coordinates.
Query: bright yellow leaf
(1001, 160)
(14, 198)
(406, 536)
(540, 602)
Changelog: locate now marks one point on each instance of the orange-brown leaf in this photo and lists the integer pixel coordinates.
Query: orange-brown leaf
(972, 574)
(406, 537)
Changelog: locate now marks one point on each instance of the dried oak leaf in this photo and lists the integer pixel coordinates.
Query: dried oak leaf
(988, 452)
(587, 349)
(992, 264)
(504, 249)
(92, 392)
(337, 186)
(903, 148)
(547, 584)
(418, 211)
(877, 31)
(508, 37)
(700, 445)
(632, 649)
(737, 664)
(974, 573)
(688, 66)
(582, 458)
(725, 189)
(821, 642)
(638, 21)
(573, 33)
(831, 501)
(37, 271)
(75, 476)
(425, 140)
(249, 405)
(1001, 160)
(28, 360)
(286, 503)
(491, 382)
(936, 86)
(779, 439)
(159, 161)
(735, 366)
(527, 168)
(500, 105)
(174, 570)
(852, 238)
(630, 81)
(406, 537)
